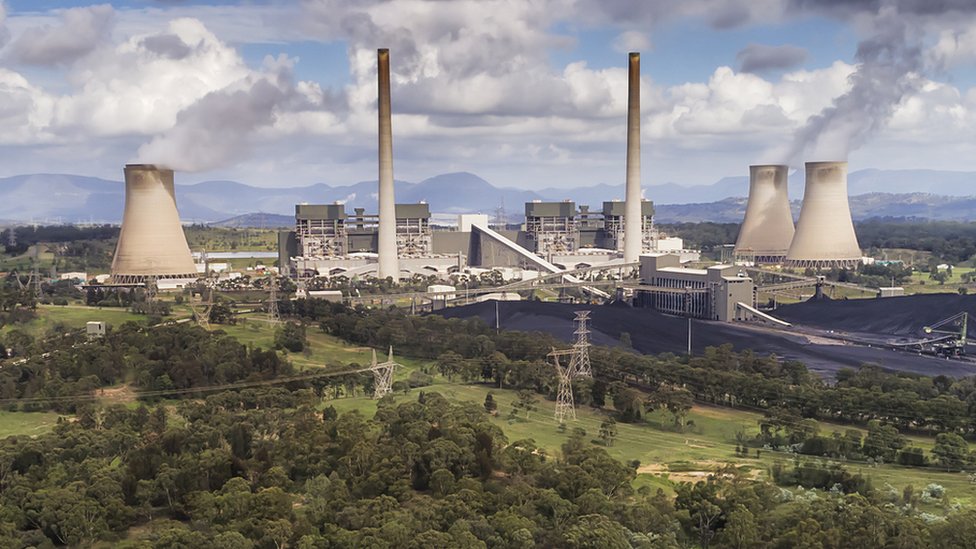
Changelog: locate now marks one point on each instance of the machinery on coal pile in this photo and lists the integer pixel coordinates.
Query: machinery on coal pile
(947, 338)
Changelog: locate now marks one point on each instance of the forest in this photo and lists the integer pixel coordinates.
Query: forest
(230, 446)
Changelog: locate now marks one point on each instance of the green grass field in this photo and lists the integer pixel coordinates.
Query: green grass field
(73, 316)
(26, 423)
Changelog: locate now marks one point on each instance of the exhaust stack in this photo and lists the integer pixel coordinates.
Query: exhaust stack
(767, 229)
(388, 262)
(151, 242)
(825, 232)
(633, 220)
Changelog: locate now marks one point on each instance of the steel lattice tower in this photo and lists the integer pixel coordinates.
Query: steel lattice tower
(565, 405)
(582, 346)
(383, 375)
(274, 317)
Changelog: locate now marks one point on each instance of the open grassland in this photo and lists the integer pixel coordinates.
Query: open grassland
(73, 316)
(26, 423)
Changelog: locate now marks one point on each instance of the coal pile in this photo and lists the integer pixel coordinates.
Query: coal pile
(652, 332)
(889, 316)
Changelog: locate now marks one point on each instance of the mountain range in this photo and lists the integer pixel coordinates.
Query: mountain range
(875, 193)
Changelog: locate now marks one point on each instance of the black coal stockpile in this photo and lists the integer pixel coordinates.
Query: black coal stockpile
(653, 333)
(898, 316)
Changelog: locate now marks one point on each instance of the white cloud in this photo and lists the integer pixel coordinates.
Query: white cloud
(78, 33)
(632, 40)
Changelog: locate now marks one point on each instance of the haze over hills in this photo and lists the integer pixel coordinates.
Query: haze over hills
(71, 198)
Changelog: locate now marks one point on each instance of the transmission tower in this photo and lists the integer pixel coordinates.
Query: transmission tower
(274, 317)
(582, 345)
(151, 288)
(383, 375)
(565, 405)
(35, 279)
(500, 217)
(202, 316)
(578, 367)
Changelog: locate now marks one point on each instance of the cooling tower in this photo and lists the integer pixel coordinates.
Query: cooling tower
(825, 233)
(767, 229)
(389, 264)
(151, 243)
(633, 219)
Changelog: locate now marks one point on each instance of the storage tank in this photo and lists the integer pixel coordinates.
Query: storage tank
(825, 232)
(151, 242)
(767, 228)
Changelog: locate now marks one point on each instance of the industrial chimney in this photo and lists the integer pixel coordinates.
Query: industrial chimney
(633, 218)
(151, 243)
(388, 262)
(825, 232)
(767, 229)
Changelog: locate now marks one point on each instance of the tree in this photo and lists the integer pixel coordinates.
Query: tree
(290, 336)
(526, 402)
(741, 531)
(951, 451)
(608, 431)
(490, 405)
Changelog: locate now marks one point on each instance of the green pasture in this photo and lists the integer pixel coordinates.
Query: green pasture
(26, 423)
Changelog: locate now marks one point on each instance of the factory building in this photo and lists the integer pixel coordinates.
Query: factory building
(711, 294)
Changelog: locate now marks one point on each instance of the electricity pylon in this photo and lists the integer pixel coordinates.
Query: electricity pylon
(578, 367)
(274, 317)
(383, 375)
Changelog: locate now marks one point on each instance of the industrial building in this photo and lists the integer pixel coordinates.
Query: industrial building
(151, 244)
(714, 293)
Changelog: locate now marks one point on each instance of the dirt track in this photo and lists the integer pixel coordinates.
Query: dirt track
(652, 332)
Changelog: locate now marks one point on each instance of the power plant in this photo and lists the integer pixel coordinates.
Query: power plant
(767, 229)
(825, 236)
(151, 243)
(400, 240)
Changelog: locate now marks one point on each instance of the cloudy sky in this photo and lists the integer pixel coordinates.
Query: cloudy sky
(525, 93)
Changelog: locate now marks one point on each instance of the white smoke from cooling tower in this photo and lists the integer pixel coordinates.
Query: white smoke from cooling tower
(825, 232)
(388, 262)
(151, 242)
(633, 218)
(767, 229)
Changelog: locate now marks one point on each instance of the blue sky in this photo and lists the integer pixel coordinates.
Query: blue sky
(525, 94)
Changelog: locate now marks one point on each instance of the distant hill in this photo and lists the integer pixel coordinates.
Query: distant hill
(48, 198)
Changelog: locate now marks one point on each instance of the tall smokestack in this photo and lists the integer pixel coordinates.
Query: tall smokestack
(767, 229)
(825, 232)
(389, 264)
(151, 242)
(633, 220)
